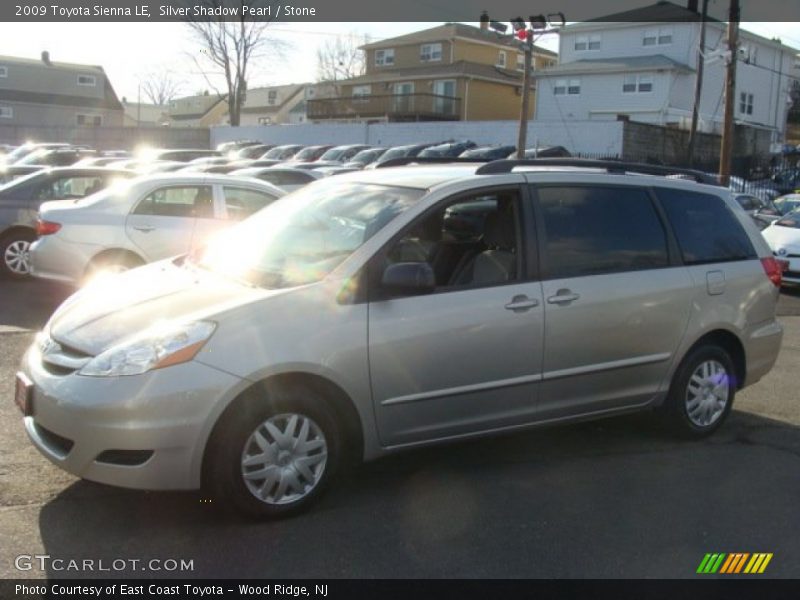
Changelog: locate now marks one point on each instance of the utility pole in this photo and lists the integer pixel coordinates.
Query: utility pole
(698, 86)
(522, 137)
(726, 149)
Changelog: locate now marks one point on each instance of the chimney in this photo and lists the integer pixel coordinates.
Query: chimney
(46, 57)
(484, 21)
(692, 5)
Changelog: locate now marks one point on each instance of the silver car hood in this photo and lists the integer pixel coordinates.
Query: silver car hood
(120, 306)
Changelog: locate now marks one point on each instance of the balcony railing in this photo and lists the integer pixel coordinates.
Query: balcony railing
(398, 107)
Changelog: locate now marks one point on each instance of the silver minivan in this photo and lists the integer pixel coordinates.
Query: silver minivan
(393, 308)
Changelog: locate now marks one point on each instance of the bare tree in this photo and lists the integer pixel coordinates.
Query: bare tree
(229, 45)
(160, 87)
(340, 58)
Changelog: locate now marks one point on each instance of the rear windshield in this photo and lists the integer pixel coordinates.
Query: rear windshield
(706, 228)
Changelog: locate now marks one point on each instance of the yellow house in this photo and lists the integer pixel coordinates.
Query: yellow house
(451, 72)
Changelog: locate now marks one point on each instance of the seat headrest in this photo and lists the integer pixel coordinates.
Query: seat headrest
(499, 230)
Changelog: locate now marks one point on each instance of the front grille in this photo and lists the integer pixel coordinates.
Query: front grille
(57, 444)
(127, 458)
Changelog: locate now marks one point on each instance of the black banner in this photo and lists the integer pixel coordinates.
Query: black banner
(371, 10)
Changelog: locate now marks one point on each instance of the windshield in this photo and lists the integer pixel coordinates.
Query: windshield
(791, 220)
(398, 152)
(307, 153)
(306, 235)
(334, 153)
(787, 204)
(367, 156)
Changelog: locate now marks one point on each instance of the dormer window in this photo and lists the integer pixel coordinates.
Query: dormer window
(430, 52)
(87, 80)
(384, 58)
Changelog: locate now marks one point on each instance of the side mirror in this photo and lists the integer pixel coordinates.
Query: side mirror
(409, 277)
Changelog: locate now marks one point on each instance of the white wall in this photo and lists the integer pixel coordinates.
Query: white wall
(576, 136)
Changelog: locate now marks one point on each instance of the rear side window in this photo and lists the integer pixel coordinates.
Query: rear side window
(707, 230)
(243, 202)
(178, 201)
(595, 230)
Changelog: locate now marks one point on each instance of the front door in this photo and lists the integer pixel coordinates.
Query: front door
(467, 357)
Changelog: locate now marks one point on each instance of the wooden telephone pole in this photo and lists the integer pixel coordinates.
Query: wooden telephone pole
(698, 86)
(726, 149)
(522, 137)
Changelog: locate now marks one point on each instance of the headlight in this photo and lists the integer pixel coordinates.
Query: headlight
(157, 348)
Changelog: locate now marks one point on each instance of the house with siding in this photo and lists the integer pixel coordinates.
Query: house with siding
(451, 72)
(200, 110)
(642, 64)
(45, 93)
(271, 105)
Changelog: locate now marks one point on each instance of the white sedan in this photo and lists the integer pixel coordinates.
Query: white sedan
(140, 221)
(783, 237)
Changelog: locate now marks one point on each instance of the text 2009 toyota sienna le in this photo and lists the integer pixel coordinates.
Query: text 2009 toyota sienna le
(399, 307)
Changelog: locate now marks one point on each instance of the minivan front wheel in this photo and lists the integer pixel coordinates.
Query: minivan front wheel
(275, 453)
(702, 391)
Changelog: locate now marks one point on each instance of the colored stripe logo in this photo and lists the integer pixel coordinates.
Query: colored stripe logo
(734, 563)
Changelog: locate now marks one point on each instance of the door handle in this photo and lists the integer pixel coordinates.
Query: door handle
(144, 228)
(521, 303)
(563, 297)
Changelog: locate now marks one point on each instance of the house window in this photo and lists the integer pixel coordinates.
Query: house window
(657, 37)
(272, 97)
(746, 103)
(430, 52)
(587, 42)
(748, 53)
(3, 71)
(574, 87)
(360, 92)
(89, 120)
(521, 62)
(637, 83)
(501, 59)
(6, 112)
(87, 80)
(264, 120)
(384, 58)
(560, 88)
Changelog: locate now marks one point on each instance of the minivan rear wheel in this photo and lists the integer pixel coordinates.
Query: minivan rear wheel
(274, 453)
(702, 392)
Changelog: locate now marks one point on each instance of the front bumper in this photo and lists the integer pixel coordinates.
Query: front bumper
(160, 421)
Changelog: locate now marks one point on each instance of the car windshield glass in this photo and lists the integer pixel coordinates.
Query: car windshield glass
(304, 237)
(367, 156)
(333, 154)
(306, 153)
(787, 204)
(791, 220)
(399, 152)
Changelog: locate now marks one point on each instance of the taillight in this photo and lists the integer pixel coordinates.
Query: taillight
(46, 227)
(773, 269)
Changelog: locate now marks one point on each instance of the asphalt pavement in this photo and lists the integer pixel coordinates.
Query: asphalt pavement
(614, 498)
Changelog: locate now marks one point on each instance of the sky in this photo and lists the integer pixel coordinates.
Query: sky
(129, 52)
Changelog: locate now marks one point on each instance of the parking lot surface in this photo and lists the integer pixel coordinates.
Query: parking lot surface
(614, 498)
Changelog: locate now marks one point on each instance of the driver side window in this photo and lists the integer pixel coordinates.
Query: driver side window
(470, 242)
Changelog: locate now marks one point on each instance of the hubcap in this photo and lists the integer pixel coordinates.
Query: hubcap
(16, 257)
(707, 393)
(284, 459)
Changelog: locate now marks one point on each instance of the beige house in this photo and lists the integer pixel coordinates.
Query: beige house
(142, 114)
(201, 110)
(450, 72)
(43, 92)
(271, 105)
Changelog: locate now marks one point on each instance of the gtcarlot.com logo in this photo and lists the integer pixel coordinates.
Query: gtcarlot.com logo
(734, 563)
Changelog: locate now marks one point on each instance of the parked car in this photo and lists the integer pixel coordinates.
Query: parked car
(281, 153)
(543, 152)
(783, 237)
(342, 323)
(25, 149)
(447, 150)
(401, 152)
(307, 154)
(9, 173)
(365, 157)
(148, 219)
(756, 208)
(287, 179)
(20, 200)
(342, 154)
(786, 181)
(180, 155)
(56, 157)
(98, 161)
(488, 152)
(250, 152)
(235, 146)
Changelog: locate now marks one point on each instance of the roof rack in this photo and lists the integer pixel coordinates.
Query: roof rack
(612, 166)
(422, 160)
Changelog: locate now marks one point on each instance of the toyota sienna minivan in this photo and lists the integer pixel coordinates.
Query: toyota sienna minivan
(389, 309)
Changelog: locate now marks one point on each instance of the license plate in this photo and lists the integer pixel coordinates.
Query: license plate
(23, 394)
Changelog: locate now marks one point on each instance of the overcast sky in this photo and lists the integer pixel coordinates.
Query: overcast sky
(130, 51)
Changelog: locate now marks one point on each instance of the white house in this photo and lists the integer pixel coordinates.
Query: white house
(643, 63)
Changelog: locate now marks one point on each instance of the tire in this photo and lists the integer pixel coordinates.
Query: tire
(14, 259)
(276, 462)
(112, 262)
(702, 392)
